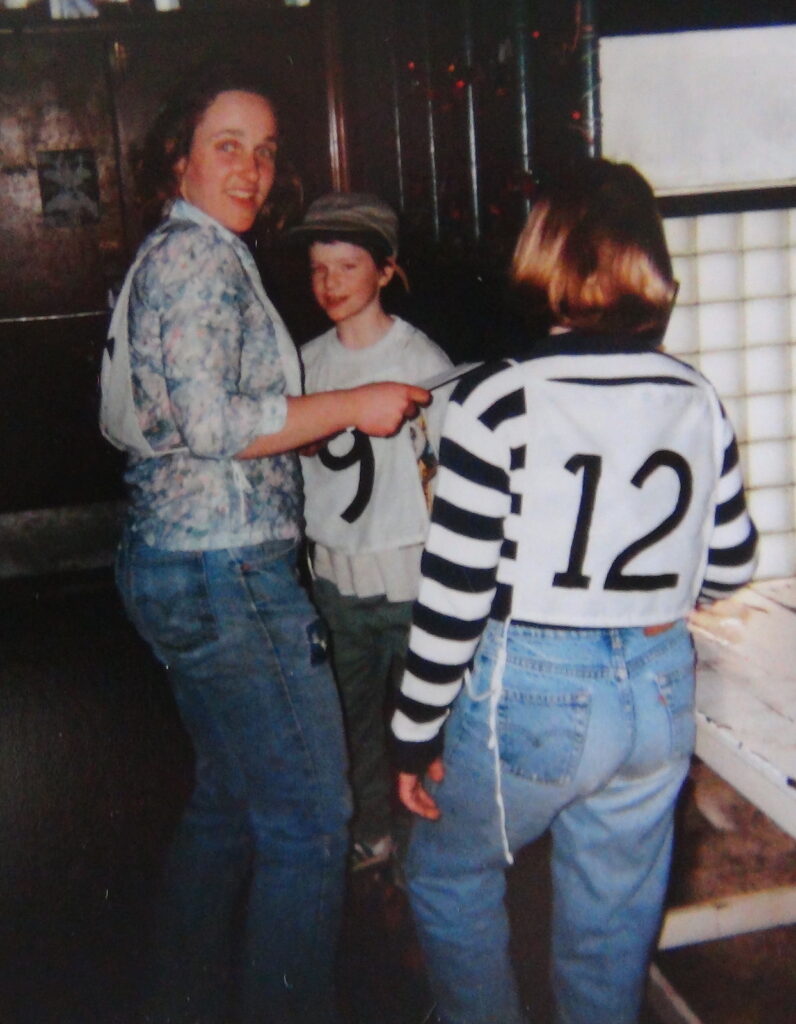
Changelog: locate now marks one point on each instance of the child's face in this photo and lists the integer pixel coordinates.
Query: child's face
(345, 279)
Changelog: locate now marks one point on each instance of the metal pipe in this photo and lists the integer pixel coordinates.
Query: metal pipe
(431, 127)
(519, 18)
(590, 77)
(396, 111)
(472, 147)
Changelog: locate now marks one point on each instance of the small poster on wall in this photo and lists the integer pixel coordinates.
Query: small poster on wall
(69, 187)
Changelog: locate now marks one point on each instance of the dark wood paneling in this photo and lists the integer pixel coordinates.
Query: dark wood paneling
(287, 45)
(54, 98)
(95, 86)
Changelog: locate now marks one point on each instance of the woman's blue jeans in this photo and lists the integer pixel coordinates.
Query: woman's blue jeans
(586, 732)
(252, 896)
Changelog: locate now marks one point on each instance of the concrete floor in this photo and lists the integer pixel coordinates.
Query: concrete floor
(94, 769)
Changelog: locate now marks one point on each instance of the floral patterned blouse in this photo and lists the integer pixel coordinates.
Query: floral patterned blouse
(211, 365)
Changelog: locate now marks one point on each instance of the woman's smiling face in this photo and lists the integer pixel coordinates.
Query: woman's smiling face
(230, 167)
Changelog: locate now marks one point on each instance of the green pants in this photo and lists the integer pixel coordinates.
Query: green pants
(368, 639)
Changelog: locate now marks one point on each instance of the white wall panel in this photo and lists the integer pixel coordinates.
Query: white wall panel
(702, 111)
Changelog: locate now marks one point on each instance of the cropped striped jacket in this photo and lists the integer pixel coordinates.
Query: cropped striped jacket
(594, 483)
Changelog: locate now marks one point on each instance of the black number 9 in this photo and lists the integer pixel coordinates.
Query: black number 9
(361, 451)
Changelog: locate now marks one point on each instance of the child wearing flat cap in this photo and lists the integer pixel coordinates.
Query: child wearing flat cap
(366, 499)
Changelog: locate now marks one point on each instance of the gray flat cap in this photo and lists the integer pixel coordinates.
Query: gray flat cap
(338, 214)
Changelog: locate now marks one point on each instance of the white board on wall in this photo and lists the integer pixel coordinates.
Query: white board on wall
(702, 111)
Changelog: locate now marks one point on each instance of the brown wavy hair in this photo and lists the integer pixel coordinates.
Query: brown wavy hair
(171, 134)
(593, 252)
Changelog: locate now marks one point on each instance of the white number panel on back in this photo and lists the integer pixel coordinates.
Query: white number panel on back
(618, 490)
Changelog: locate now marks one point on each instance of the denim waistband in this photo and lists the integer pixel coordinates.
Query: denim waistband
(651, 629)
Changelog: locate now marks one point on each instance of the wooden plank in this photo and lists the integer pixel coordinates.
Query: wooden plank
(750, 776)
(730, 915)
(666, 1002)
(746, 695)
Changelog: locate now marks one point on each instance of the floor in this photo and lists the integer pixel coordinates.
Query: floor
(94, 770)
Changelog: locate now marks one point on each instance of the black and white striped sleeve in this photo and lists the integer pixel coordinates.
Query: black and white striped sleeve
(733, 542)
(458, 578)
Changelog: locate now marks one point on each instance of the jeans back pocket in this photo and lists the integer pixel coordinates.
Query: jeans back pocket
(168, 600)
(541, 734)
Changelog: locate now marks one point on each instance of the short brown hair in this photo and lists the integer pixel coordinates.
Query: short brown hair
(593, 249)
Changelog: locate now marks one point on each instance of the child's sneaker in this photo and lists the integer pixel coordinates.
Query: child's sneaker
(368, 855)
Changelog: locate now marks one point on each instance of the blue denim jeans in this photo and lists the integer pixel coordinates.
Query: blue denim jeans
(253, 889)
(586, 732)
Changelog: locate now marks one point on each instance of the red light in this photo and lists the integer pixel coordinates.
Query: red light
(460, 83)
(576, 115)
(536, 34)
(411, 65)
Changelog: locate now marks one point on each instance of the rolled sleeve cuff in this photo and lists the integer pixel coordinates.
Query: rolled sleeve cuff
(414, 757)
(273, 416)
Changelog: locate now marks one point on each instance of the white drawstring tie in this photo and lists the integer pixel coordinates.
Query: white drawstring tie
(242, 484)
(493, 693)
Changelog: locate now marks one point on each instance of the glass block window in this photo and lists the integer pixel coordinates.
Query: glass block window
(735, 319)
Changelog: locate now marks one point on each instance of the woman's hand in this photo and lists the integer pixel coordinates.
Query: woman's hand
(380, 409)
(413, 794)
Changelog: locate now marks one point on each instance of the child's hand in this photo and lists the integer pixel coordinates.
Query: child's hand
(380, 409)
(414, 796)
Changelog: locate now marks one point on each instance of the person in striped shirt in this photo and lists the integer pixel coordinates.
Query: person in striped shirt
(589, 495)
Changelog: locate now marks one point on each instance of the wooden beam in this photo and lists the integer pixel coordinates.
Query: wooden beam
(728, 916)
(666, 1002)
